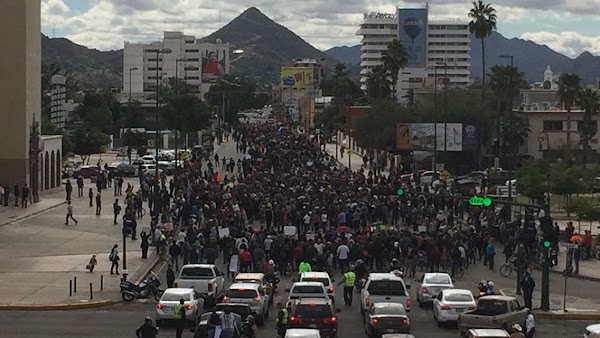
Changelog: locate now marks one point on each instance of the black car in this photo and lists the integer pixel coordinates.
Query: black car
(203, 328)
(123, 169)
(385, 318)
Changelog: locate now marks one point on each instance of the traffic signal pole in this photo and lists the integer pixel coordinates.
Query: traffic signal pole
(545, 306)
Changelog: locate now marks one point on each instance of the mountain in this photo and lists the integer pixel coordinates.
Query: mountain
(530, 57)
(267, 45)
(93, 68)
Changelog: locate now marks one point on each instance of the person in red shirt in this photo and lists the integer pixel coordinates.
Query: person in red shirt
(245, 260)
(213, 68)
(298, 254)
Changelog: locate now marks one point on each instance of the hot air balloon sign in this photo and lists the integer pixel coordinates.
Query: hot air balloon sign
(412, 27)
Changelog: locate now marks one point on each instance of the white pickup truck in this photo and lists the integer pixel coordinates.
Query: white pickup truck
(386, 288)
(205, 279)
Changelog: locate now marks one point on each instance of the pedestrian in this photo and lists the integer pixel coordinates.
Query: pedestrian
(114, 259)
(517, 332)
(527, 286)
(6, 195)
(92, 264)
(147, 330)
(342, 256)
(170, 276)
(1, 193)
(175, 252)
(68, 189)
(116, 210)
(282, 320)
(529, 325)
(70, 214)
(79, 186)
(490, 251)
(180, 319)
(145, 243)
(98, 204)
(227, 324)
(348, 281)
(91, 196)
(577, 257)
(24, 196)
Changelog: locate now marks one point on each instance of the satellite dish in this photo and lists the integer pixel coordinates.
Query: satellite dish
(219, 41)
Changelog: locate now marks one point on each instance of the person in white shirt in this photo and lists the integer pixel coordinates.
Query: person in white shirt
(306, 221)
(342, 256)
(529, 325)
(319, 247)
(324, 220)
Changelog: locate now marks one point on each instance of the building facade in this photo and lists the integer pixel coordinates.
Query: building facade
(58, 94)
(200, 64)
(448, 51)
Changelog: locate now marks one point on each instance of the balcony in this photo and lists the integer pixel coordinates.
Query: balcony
(370, 63)
(376, 31)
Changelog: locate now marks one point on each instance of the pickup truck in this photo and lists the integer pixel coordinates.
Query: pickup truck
(205, 279)
(493, 312)
(386, 288)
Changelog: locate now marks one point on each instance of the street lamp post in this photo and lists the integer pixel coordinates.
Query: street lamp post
(158, 52)
(177, 61)
(129, 105)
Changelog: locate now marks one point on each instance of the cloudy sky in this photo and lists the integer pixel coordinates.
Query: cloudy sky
(567, 26)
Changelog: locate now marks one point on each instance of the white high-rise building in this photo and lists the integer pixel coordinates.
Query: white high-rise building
(198, 63)
(447, 42)
(58, 96)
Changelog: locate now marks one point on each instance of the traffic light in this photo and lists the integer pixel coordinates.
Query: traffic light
(400, 192)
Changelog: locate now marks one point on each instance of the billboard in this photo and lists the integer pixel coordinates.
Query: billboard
(297, 77)
(214, 62)
(412, 34)
(450, 136)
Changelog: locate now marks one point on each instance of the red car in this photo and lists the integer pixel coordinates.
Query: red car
(314, 313)
(86, 171)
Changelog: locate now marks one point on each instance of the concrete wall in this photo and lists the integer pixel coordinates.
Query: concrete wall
(20, 89)
(50, 162)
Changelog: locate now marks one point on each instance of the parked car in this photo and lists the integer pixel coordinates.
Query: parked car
(450, 303)
(431, 285)
(592, 331)
(149, 159)
(492, 312)
(122, 169)
(165, 310)
(386, 318)
(86, 171)
(150, 169)
(306, 290)
(384, 288)
(205, 279)
(322, 277)
(256, 278)
(252, 294)
(314, 313)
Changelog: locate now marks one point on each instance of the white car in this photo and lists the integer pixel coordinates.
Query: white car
(306, 290)
(592, 331)
(150, 169)
(252, 294)
(450, 303)
(302, 333)
(322, 277)
(384, 288)
(431, 285)
(165, 310)
(149, 159)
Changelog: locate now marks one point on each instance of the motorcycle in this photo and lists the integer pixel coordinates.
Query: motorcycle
(484, 290)
(147, 288)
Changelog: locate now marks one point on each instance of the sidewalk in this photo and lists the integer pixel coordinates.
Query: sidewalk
(354, 160)
(12, 213)
(588, 269)
(577, 308)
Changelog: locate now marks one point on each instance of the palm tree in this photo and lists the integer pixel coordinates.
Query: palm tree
(590, 102)
(569, 85)
(506, 83)
(483, 22)
(378, 83)
(516, 129)
(394, 59)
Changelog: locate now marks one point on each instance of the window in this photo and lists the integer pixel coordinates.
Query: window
(308, 289)
(553, 125)
(325, 281)
(192, 60)
(386, 288)
(191, 50)
(241, 293)
(154, 68)
(437, 279)
(196, 272)
(192, 77)
(154, 60)
(313, 311)
(458, 297)
(175, 297)
(389, 310)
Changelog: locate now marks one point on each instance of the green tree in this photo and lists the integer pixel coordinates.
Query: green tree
(330, 119)
(237, 93)
(186, 113)
(89, 141)
(341, 87)
(134, 140)
(394, 59)
(566, 181)
(95, 112)
(589, 101)
(378, 83)
(515, 130)
(533, 179)
(483, 22)
(569, 85)
(376, 129)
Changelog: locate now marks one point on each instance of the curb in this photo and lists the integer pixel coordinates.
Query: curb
(35, 213)
(58, 307)
(582, 277)
(579, 315)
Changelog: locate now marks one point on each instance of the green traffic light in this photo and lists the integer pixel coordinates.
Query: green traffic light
(546, 244)
(400, 192)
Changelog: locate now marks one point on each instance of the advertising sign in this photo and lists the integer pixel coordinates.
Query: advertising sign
(450, 136)
(412, 34)
(213, 63)
(296, 77)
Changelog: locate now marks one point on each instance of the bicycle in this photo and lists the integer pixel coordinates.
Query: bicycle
(141, 212)
(506, 269)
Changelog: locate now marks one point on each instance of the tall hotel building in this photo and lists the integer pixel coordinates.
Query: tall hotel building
(447, 42)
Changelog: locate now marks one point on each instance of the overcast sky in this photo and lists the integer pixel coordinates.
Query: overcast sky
(567, 26)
